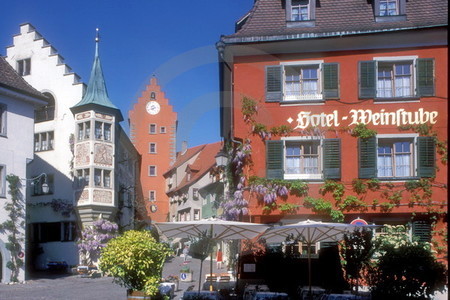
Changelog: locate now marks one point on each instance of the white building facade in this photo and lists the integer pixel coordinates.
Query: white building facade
(18, 101)
(55, 219)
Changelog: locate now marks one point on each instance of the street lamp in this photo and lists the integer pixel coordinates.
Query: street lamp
(221, 158)
(44, 186)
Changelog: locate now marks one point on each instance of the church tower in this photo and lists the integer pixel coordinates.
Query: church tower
(96, 134)
(153, 126)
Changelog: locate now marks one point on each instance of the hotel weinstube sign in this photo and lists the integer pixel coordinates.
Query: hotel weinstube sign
(399, 117)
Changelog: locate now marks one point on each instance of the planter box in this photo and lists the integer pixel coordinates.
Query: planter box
(133, 295)
(186, 277)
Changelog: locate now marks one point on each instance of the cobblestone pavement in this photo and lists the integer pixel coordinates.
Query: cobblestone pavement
(58, 286)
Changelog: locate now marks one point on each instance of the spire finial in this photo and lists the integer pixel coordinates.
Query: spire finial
(97, 39)
(97, 36)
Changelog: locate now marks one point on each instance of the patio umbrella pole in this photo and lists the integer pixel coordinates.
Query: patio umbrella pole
(210, 274)
(211, 264)
(309, 268)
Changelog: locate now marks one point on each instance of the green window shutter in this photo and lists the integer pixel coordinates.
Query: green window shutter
(274, 160)
(332, 158)
(422, 230)
(425, 77)
(367, 79)
(367, 149)
(331, 81)
(274, 84)
(426, 156)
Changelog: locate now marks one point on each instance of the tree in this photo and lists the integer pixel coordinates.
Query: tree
(357, 251)
(201, 246)
(405, 268)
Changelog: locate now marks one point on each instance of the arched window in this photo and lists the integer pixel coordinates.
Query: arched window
(152, 95)
(47, 112)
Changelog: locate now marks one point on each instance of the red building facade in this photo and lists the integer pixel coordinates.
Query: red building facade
(339, 111)
(153, 125)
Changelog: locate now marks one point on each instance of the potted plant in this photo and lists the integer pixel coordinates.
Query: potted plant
(185, 273)
(135, 260)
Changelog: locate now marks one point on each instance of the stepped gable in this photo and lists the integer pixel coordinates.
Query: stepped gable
(267, 18)
(27, 28)
(11, 80)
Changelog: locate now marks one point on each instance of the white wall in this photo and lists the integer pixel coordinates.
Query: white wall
(50, 74)
(15, 150)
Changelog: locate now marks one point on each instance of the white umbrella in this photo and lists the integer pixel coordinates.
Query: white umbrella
(310, 232)
(217, 229)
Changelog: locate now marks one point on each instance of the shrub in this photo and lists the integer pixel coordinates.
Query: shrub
(135, 260)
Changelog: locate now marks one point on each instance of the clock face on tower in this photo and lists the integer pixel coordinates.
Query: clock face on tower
(153, 107)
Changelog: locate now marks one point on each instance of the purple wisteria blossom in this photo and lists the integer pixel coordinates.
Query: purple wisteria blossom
(94, 238)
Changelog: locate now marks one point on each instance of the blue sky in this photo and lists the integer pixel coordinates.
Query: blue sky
(172, 39)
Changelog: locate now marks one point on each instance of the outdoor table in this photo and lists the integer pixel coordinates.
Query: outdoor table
(203, 295)
(316, 292)
(344, 297)
(270, 295)
(251, 289)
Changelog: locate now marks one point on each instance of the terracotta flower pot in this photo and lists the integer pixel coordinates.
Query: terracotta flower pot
(134, 295)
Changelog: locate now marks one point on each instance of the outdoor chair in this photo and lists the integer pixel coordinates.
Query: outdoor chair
(211, 277)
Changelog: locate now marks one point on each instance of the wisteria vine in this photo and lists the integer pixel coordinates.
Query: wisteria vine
(94, 238)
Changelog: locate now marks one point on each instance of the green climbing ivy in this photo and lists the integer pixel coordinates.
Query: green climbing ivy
(14, 227)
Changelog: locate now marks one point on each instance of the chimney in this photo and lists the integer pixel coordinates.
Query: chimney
(184, 147)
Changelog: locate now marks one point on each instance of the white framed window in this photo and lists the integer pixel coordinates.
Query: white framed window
(152, 129)
(3, 119)
(84, 130)
(196, 214)
(151, 170)
(2, 181)
(82, 178)
(162, 129)
(307, 158)
(152, 148)
(102, 178)
(389, 7)
(47, 112)
(396, 155)
(24, 67)
(300, 10)
(399, 78)
(152, 196)
(395, 79)
(302, 82)
(195, 194)
(303, 159)
(43, 141)
(102, 131)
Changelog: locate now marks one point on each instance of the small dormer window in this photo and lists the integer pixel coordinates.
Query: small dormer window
(390, 10)
(300, 10)
(300, 13)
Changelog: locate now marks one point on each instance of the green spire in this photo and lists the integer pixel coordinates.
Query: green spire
(96, 92)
